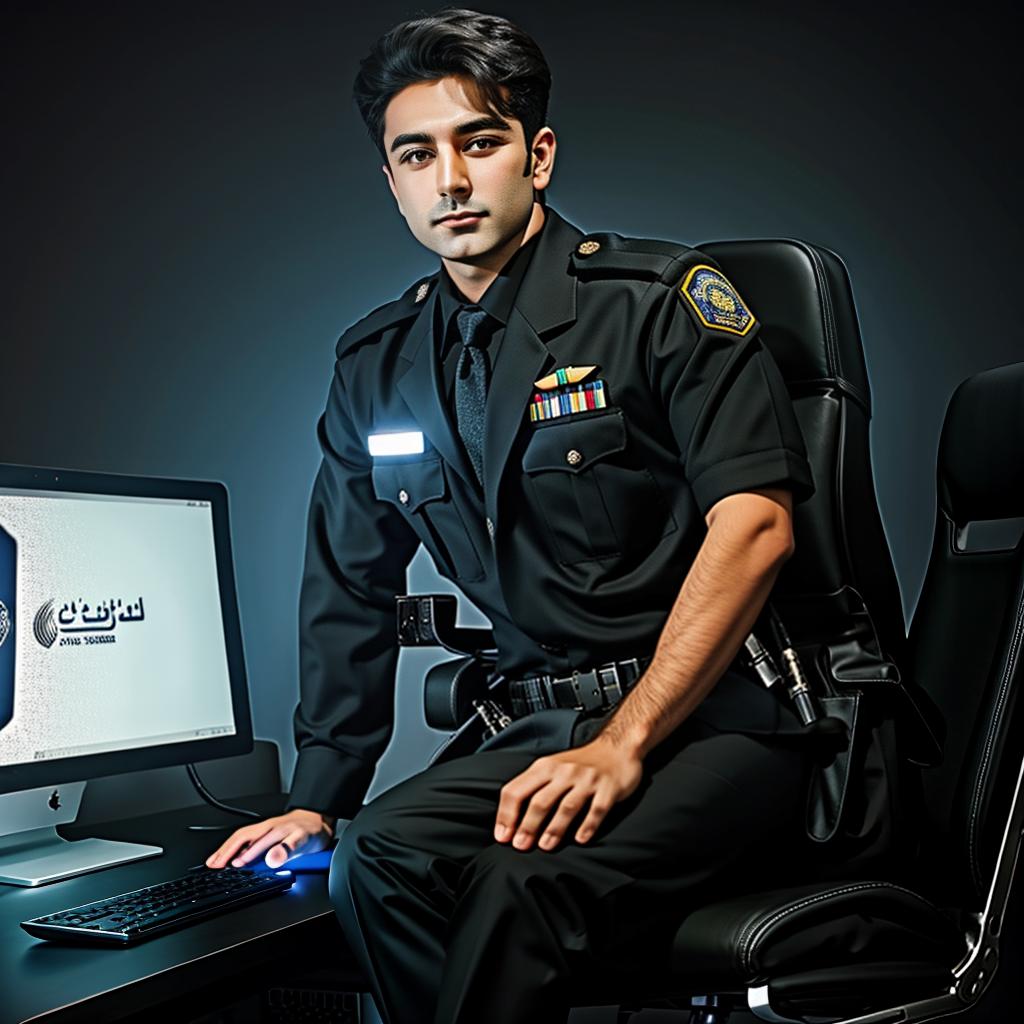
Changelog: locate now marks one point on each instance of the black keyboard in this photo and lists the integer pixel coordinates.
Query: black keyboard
(143, 913)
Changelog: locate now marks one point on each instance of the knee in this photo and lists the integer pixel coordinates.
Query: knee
(503, 888)
(354, 852)
(337, 876)
(500, 868)
(379, 836)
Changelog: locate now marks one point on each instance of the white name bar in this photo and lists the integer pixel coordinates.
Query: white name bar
(409, 442)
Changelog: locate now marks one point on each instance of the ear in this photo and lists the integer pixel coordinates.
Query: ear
(542, 157)
(391, 185)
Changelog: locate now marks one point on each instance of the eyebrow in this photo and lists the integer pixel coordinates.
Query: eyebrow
(466, 128)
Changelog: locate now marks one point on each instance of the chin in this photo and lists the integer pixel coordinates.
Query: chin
(466, 248)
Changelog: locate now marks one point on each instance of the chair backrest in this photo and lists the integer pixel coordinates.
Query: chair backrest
(838, 594)
(802, 295)
(968, 629)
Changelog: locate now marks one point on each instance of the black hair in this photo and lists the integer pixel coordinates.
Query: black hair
(486, 48)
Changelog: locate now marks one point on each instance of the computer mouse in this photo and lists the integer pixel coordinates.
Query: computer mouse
(308, 862)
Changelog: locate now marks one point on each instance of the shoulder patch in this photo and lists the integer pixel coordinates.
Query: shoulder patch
(608, 254)
(406, 306)
(715, 301)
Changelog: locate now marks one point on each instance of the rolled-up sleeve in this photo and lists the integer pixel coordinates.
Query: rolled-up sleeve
(357, 553)
(727, 404)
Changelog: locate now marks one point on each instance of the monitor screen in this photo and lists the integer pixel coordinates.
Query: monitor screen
(115, 641)
(120, 641)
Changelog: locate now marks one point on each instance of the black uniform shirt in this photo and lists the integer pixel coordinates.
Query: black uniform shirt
(588, 522)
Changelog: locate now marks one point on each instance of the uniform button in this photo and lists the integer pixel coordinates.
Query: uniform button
(588, 247)
(403, 496)
(490, 527)
(574, 457)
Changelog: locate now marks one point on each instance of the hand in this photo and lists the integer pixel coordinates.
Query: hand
(282, 837)
(598, 772)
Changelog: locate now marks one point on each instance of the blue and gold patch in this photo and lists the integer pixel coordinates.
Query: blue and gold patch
(715, 300)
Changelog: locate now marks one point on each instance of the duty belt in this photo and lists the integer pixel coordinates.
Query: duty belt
(600, 687)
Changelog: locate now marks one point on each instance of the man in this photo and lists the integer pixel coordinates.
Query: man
(588, 437)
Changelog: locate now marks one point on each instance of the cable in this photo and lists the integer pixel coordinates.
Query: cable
(800, 692)
(214, 802)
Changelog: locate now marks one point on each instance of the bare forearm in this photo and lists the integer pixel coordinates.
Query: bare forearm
(722, 595)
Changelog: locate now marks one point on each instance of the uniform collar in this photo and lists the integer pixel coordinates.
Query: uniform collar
(547, 294)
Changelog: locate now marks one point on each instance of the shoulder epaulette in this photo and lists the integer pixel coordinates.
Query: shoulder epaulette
(607, 254)
(406, 306)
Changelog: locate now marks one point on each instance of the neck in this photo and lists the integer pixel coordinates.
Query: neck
(473, 279)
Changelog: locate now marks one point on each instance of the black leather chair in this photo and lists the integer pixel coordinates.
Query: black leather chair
(859, 938)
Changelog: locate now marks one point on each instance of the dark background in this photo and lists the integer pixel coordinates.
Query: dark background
(193, 213)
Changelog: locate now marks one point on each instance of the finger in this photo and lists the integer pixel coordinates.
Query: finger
(256, 849)
(569, 809)
(513, 793)
(286, 849)
(537, 812)
(238, 839)
(599, 808)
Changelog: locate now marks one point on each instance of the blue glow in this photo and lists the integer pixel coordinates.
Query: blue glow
(286, 874)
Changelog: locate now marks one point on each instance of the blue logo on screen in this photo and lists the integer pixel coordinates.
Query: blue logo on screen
(8, 589)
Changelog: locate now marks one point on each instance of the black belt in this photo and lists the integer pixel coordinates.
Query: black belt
(600, 687)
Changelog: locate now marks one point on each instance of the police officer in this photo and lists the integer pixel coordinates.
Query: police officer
(586, 433)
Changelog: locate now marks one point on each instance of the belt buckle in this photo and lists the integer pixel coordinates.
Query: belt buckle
(613, 686)
(587, 687)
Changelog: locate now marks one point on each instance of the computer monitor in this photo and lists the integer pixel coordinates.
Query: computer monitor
(120, 650)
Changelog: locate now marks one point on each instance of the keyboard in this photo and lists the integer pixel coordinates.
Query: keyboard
(142, 913)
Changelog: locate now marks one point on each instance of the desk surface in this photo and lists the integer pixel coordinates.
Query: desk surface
(45, 981)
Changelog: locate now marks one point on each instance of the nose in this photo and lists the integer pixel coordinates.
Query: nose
(452, 177)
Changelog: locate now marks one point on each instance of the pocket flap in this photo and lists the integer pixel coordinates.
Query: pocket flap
(575, 443)
(409, 484)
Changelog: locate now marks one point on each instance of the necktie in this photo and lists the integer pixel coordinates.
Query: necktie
(471, 375)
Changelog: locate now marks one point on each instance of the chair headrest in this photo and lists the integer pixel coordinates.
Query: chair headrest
(981, 465)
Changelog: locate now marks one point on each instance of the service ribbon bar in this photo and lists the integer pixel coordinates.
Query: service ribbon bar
(569, 399)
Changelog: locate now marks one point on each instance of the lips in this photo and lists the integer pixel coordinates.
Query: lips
(461, 218)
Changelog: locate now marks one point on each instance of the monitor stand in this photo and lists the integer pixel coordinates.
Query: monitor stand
(33, 853)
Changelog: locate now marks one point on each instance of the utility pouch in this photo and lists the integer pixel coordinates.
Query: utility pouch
(854, 816)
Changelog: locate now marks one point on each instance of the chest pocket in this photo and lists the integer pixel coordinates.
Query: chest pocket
(420, 490)
(596, 500)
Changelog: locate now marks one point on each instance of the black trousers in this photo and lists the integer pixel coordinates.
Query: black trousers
(453, 927)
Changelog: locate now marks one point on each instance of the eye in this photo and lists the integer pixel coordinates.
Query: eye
(407, 157)
(489, 143)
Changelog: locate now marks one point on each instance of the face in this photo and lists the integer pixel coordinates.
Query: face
(457, 171)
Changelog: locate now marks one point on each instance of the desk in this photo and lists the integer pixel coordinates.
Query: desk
(214, 963)
(182, 972)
